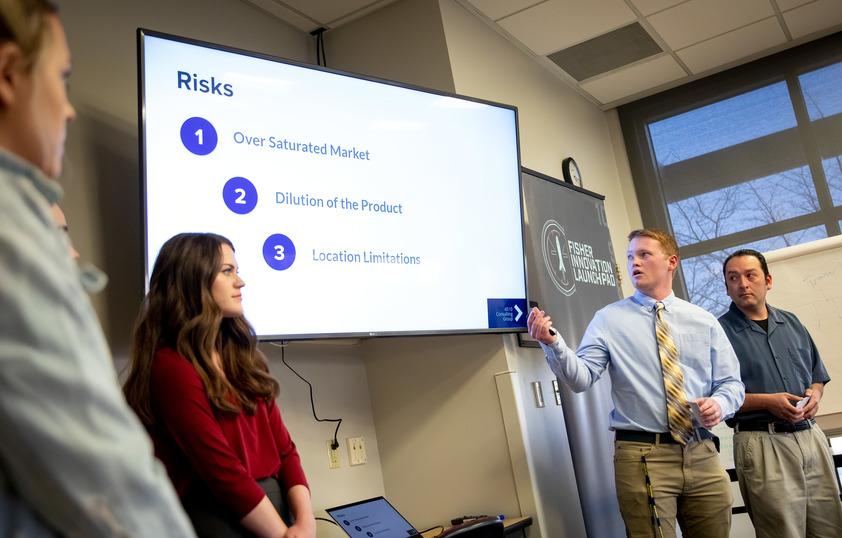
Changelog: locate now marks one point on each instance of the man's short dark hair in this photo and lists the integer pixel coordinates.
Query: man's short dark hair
(747, 252)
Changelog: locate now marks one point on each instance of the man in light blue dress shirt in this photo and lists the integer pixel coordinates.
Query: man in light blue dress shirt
(658, 479)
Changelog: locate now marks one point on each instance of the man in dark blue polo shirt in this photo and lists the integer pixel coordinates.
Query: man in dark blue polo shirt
(786, 473)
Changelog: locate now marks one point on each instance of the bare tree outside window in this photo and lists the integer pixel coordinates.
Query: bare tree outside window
(741, 207)
(752, 119)
(703, 274)
(833, 173)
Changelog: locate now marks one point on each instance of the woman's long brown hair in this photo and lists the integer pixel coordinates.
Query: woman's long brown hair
(180, 312)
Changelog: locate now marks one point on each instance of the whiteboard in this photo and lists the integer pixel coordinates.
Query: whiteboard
(807, 281)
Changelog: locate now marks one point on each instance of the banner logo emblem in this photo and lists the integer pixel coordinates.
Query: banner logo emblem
(557, 257)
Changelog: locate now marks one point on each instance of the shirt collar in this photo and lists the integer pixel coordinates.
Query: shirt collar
(774, 314)
(49, 188)
(745, 323)
(649, 303)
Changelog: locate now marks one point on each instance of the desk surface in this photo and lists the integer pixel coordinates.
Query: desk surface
(509, 524)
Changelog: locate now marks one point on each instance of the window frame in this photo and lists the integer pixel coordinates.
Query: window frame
(785, 66)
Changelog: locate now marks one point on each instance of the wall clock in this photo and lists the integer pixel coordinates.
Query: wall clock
(571, 172)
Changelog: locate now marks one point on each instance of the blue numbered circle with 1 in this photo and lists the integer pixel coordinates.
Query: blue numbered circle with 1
(198, 136)
(240, 195)
(279, 252)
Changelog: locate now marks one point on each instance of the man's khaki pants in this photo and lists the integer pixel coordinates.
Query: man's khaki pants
(788, 482)
(688, 483)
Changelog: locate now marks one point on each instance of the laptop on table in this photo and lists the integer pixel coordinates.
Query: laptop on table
(372, 518)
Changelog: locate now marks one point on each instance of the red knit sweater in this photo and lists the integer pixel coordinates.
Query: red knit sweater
(227, 451)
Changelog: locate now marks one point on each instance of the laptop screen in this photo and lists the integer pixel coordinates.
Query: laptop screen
(372, 518)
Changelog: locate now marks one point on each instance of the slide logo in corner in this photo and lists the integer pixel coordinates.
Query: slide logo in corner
(557, 257)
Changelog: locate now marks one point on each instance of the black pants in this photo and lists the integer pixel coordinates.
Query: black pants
(211, 520)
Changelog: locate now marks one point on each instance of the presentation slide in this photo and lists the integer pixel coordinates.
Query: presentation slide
(355, 207)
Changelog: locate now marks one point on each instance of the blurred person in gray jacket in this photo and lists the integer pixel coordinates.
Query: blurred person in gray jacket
(74, 459)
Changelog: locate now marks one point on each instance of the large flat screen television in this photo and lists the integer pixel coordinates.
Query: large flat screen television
(356, 206)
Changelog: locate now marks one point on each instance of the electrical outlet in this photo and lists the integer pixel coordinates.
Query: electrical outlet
(356, 450)
(332, 454)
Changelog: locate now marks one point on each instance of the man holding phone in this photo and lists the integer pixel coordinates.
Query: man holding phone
(783, 463)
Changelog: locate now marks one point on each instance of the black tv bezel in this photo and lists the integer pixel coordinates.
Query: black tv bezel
(144, 32)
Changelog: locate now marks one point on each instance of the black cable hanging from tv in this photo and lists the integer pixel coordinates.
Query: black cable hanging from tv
(338, 421)
(320, 46)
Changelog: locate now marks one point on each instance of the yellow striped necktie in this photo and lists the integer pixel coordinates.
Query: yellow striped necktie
(681, 427)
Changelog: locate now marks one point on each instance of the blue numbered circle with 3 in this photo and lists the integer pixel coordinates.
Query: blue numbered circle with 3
(198, 136)
(240, 195)
(279, 252)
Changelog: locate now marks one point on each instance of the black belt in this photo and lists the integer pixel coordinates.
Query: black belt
(649, 437)
(774, 427)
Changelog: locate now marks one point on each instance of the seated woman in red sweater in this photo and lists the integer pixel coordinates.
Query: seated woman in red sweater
(203, 390)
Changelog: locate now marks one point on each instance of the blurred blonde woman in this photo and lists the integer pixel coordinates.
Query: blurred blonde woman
(74, 459)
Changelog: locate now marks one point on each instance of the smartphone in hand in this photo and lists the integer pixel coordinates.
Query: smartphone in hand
(696, 414)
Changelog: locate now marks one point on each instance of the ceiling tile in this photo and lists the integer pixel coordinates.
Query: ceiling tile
(705, 36)
(286, 14)
(733, 46)
(786, 5)
(697, 20)
(557, 24)
(648, 7)
(497, 9)
(814, 17)
(326, 12)
(635, 79)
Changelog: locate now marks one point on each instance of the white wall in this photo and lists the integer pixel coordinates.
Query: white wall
(439, 427)
(405, 43)
(555, 121)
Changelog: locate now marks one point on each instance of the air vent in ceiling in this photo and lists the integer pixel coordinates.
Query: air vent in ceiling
(607, 52)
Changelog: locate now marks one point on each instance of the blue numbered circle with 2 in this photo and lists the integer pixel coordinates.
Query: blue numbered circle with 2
(198, 136)
(279, 252)
(240, 195)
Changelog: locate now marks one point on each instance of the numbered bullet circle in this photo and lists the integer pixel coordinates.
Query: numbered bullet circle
(279, 252)
(198, 136)
(240, 195)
